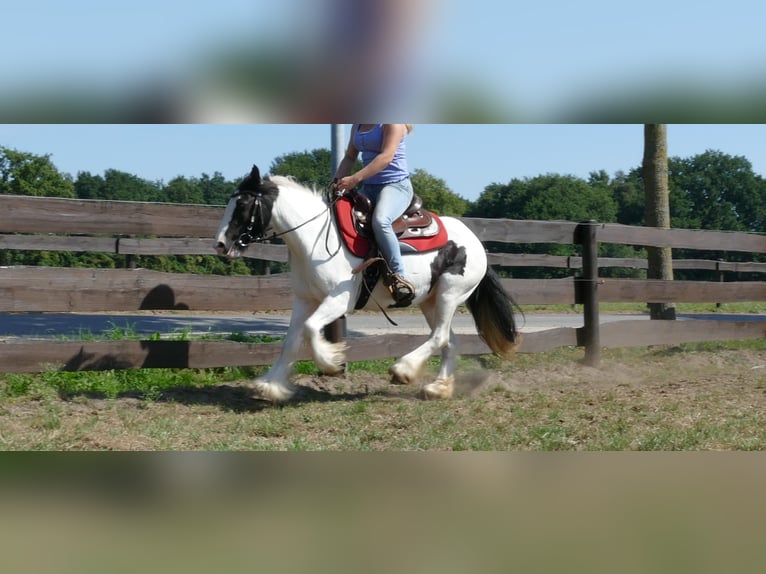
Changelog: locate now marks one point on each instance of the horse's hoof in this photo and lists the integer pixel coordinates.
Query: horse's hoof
(441, 389)
(399, 377)
(333, 360)
(333, 371)
(274, 392)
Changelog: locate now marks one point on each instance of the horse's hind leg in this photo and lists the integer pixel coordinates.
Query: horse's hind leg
(443, 386)
(408, 368)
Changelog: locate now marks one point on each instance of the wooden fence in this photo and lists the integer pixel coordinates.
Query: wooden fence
(131, 228)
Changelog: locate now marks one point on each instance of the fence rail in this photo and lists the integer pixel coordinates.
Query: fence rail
(133, 228)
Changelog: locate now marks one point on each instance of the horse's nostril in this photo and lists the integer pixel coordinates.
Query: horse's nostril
(220, 247)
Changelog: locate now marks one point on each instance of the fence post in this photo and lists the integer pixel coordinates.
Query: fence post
(130, 258)
(719, 272)
(586, 293)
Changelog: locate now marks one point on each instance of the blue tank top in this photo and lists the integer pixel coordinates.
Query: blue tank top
(370, 144)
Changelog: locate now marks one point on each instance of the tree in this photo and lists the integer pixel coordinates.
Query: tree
(88, 186)
(309, 168)
(436, 195)
(216, 190)
(182, 190)
(122, 186)
(547, 197)
(628, 193)
(720, 192)
(23, 173)
(657, 214)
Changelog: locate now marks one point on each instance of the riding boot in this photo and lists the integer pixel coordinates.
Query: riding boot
(401, 290)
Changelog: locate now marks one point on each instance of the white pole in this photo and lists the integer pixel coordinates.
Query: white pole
(337, 146)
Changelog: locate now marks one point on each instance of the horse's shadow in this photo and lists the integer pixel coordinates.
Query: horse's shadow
(238, 398)
(241, 399)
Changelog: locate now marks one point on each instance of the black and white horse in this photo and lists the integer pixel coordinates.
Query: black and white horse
(325, 286)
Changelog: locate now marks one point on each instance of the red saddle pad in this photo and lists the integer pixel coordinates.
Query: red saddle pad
(360, 246)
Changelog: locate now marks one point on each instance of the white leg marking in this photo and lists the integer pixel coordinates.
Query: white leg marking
(275, 384)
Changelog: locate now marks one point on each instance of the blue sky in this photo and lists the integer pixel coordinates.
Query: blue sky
(467, 156)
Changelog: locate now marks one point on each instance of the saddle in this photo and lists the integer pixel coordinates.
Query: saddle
(418, 230)
(415, 222)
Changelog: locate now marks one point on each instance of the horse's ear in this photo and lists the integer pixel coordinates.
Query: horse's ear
(255, 173)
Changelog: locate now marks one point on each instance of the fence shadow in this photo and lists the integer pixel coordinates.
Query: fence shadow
(159, 355)
(84, 361)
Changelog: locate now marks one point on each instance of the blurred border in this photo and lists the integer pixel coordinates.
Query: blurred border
(413, 512)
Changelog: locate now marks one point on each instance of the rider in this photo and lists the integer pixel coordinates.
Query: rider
(387, 184)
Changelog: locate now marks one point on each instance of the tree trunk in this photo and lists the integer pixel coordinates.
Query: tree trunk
(657, 214)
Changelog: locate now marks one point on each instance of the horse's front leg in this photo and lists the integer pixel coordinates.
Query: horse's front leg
(275, 384)
(328, 357)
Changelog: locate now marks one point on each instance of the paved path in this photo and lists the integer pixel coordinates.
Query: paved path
(72, 325)
(57, 325)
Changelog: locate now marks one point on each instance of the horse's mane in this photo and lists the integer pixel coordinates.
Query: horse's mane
(290, 182)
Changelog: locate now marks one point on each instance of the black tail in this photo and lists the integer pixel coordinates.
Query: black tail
(492, 309)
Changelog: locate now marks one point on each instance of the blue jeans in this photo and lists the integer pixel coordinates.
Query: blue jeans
(390, 201)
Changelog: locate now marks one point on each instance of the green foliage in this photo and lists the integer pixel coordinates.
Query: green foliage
(122, 186)
(711, 190)
(198, 264)
(313, 169)
(549, 197)
(721, 192)
(436, 195)
(215, 189)
(183, 190)
(628, 193)
(24, 173)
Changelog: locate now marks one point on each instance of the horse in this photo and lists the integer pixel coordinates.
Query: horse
(327, 285)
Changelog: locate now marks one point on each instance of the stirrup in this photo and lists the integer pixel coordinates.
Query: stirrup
(401, 290)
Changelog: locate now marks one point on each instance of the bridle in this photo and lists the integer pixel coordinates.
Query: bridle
(257, 218)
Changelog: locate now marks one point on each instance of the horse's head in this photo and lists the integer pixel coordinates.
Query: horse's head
(247, 217)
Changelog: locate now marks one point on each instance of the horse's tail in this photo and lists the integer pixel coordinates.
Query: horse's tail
(492, 308)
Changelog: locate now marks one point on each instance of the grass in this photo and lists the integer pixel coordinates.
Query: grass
(709, 396)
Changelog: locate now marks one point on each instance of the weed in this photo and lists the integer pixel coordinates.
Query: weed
(121, 332)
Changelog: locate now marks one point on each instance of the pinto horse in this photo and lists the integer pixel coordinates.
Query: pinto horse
(327, 285)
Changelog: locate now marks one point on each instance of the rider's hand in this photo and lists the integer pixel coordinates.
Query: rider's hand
(334, 190)
(346, 183)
